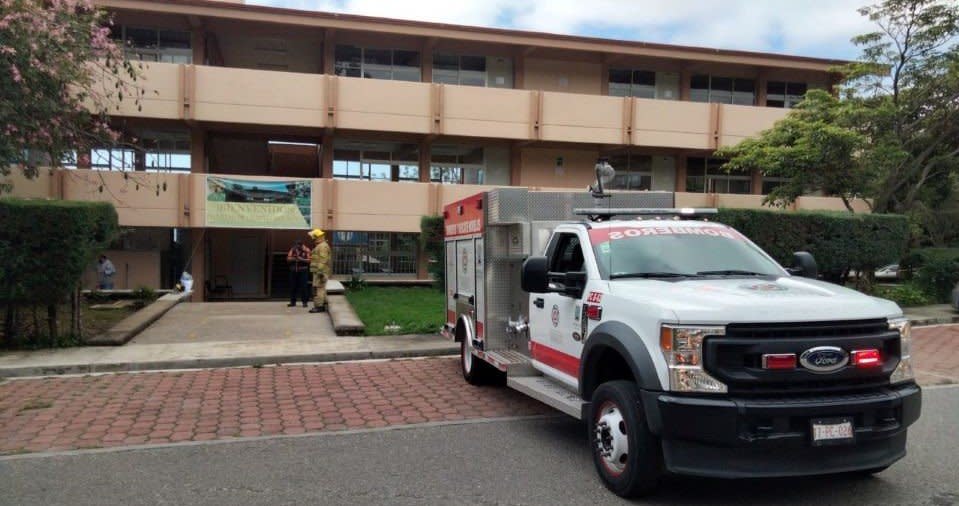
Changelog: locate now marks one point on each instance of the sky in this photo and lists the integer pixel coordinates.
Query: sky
(820, 28)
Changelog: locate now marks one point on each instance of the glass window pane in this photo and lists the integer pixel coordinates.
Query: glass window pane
(797, 89)
(380, 171)
(695, 184)
(445, 62)
(471, 78)
(643, 91)
(775, 88)
(740, 186)
(619, 89)
(377, 57)
(174, 39)
(445, 76)
(619, 76)
(142, 37)
(644, 77)
(406, 65)
(476, 63)
(775, 103)
(721, 84)
(745, 85)
(347, 61)
(409, 173)
(699, 82)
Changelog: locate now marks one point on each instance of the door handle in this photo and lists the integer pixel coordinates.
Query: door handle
(539, 303)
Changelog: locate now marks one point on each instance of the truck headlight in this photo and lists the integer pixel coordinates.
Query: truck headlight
(904, 370)
(682, 347)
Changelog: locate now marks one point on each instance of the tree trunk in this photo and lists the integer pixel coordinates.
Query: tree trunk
(10, 325)
(845, 202)
(52, 323)
(75, 313)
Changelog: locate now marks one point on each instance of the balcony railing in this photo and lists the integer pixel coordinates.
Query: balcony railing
(336, 204)
(264, 97)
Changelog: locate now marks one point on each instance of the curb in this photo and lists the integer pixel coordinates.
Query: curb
(920, 321)
(128, 328)
(209, 363)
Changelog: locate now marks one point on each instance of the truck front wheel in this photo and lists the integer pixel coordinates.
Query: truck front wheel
(627, 456)
(475, 371)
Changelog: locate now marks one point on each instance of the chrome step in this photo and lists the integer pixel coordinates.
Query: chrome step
(512, 362)
(548, 392)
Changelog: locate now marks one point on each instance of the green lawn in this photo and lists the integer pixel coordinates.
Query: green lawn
(417, 310)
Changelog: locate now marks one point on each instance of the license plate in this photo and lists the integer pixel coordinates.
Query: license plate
(827, 431)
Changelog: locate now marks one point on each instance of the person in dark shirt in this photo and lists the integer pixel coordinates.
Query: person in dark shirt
(298, 259)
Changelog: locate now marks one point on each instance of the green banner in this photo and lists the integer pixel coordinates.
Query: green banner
(255, 203)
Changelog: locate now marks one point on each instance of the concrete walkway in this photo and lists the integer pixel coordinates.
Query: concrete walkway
(936, 314)
(224, 334)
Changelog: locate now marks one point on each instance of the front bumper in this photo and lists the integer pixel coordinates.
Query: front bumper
(733, 437)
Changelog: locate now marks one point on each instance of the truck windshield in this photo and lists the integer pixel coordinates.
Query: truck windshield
(678, 252)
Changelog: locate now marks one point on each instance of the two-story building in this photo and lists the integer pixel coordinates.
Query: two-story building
(360, 126)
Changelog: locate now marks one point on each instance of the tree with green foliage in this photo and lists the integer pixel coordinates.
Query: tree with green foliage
(814, 148)
(893, 135)
(55, 56)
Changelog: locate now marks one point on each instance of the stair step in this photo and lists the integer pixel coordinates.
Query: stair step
(548, 392)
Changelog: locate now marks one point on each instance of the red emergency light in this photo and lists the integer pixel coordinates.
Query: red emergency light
(779, 361)
(594, 312)
(866, 358)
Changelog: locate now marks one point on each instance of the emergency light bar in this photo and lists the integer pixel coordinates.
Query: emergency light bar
(597, 212)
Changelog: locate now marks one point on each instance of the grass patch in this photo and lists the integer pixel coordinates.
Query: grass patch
(35, 404)
(415, 310)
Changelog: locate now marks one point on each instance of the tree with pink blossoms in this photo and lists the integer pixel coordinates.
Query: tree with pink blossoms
(60, 76)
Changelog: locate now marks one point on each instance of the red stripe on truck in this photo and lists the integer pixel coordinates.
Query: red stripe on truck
(556, 359)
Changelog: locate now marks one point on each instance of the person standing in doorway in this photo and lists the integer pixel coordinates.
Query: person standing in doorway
(105, 273)
(298, 259)
(320, 267)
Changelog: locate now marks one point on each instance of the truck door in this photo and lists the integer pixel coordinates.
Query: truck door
(556, 337)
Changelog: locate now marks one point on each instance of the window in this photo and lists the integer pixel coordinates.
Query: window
(370, 63)
(568, 255)
(464, 70)
(632, 83)
(166, 151)
(152, 44)
(783, 94)
(633, 172)
(771, 183)
(722, 90)
(113, 158)
(380, 253)
(374, 161)
(705, 175)
(456, 164)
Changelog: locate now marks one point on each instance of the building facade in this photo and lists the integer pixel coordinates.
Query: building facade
(386, 121)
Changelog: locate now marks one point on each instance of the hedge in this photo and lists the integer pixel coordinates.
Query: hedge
(839, 241)
(435, 249)
(45, 245)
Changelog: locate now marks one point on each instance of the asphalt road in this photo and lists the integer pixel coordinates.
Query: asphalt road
(531, 461)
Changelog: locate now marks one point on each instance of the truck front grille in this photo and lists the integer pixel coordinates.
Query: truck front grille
(736, 358)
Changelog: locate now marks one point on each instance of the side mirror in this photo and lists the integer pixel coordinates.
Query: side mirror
(534, 277)
(574, 284)
(804, 265)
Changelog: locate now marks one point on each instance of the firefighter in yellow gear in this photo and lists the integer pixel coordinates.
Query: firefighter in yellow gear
(320, 268)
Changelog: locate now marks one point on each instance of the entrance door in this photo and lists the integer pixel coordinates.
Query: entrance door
(247, 263)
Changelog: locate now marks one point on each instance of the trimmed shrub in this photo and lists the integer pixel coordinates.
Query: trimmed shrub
(919, 257)
(905, 294)
(45, 245)
(434, 247)
(840, 242)
(938, 276)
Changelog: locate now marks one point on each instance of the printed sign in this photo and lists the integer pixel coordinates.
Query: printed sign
(255, 203)
(615, 233)
(464, 217)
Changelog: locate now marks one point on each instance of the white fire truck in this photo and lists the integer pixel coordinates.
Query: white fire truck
(683, 346)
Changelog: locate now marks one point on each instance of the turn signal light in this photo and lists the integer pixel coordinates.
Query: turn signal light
(866, 358)
(779, 361)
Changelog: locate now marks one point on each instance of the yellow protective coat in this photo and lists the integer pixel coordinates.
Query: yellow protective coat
(320, 268)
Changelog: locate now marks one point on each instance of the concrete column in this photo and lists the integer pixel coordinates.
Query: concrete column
(326, 156)
(426, 63)
(681, 173)
(329, 46)
(684, 83)
(756, 182)
(761, 81)
(197, 265)
(519, 70)
(425, 159)
(198, 150)
(198, 43)
(515, 165)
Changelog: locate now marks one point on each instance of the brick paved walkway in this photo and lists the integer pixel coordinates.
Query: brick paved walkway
(62, 413)
(936, 354)
(163, 407)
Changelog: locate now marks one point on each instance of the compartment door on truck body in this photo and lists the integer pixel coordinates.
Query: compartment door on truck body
(556, 332)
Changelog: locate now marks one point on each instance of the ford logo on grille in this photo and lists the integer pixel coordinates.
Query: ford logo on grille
(823, 359)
